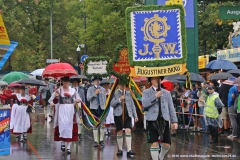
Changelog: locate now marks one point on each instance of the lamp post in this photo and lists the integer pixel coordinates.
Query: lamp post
(79, 61)
(84, 25)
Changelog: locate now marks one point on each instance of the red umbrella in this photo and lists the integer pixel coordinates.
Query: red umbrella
(14, 84)
(59, 70)
(168, 85)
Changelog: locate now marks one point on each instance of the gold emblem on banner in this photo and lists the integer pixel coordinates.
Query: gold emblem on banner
(155, 30)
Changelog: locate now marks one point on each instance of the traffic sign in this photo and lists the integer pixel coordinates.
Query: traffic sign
(229, 12)
(52, 60)
(83, 58)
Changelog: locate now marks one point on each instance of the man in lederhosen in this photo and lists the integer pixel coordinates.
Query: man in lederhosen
(80, 92)
(123, 117)
(96, 95)
(151, 105)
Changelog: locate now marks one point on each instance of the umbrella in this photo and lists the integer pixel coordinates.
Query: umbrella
(37, 72)
(14, 76)
(194, 77)
(221, 64)
(59, 70)
(234, 71)
(33, 82)
(172, 78)
(3, 83)
(14, 84)
(222, 75)
(237, 80)
(168, 85)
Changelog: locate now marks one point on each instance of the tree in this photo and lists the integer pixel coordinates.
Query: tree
(213, 31)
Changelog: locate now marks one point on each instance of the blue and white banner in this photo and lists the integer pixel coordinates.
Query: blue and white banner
(156, 35)
(4, 132)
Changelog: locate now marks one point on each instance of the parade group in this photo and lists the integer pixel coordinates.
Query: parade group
(214, 103)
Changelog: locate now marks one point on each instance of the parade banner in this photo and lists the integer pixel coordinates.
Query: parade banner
(4, 39)
(97, 66)
(120, 64)
(156, 35)
(138, 71)
(4, 131)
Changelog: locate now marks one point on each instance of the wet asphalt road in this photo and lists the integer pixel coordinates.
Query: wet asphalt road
(185, 145)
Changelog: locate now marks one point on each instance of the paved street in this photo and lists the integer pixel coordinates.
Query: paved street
(40, 145)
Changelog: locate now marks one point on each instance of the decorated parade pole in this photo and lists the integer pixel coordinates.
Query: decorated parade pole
(156, 37)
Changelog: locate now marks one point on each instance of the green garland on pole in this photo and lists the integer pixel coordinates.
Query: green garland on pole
(155, 63)
(96, 59)
(123, 78)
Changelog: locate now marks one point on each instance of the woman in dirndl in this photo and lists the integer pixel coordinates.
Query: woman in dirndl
(65, 126)
(20, 117)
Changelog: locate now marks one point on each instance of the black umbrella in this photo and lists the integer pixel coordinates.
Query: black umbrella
(234, 71)
(79, 77)
(194, 77)
(173, 78)
(33, 82)
(222, 75)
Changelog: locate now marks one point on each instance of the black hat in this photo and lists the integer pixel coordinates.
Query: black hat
(46, 79)
(210, 88)
(22, 87)
(104, 81)
(75, 79)
(65, 79)
(97, 77)
(149, 78)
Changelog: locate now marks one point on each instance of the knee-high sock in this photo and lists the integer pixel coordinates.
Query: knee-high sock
(144, 123)
(128, 138)
(154, 153)
(80, 128)
(45, 112)
(69, 145)
(21, 136)
(120, 142)
(163, 152)
(95, 134)
(101, 133)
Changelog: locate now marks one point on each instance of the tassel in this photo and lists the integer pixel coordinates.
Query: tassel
(188, 81)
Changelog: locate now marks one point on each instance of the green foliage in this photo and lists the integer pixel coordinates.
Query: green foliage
(213, 30)
(156, 62)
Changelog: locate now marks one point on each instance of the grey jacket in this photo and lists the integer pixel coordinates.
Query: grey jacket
(43, 89)
(92, 97)
(151, 106)
(81, 94)
(117, 104)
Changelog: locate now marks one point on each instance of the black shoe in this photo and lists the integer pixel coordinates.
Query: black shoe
(102, 144)
(25, 138)
(50, 117)
(21, 140)
(225, 134)
(144, 130)
(68, 151)
(80, 136)
(119, 153)
(45, 118)
(63, 148)
(17, 136)
(130, 153)
(95, 144)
